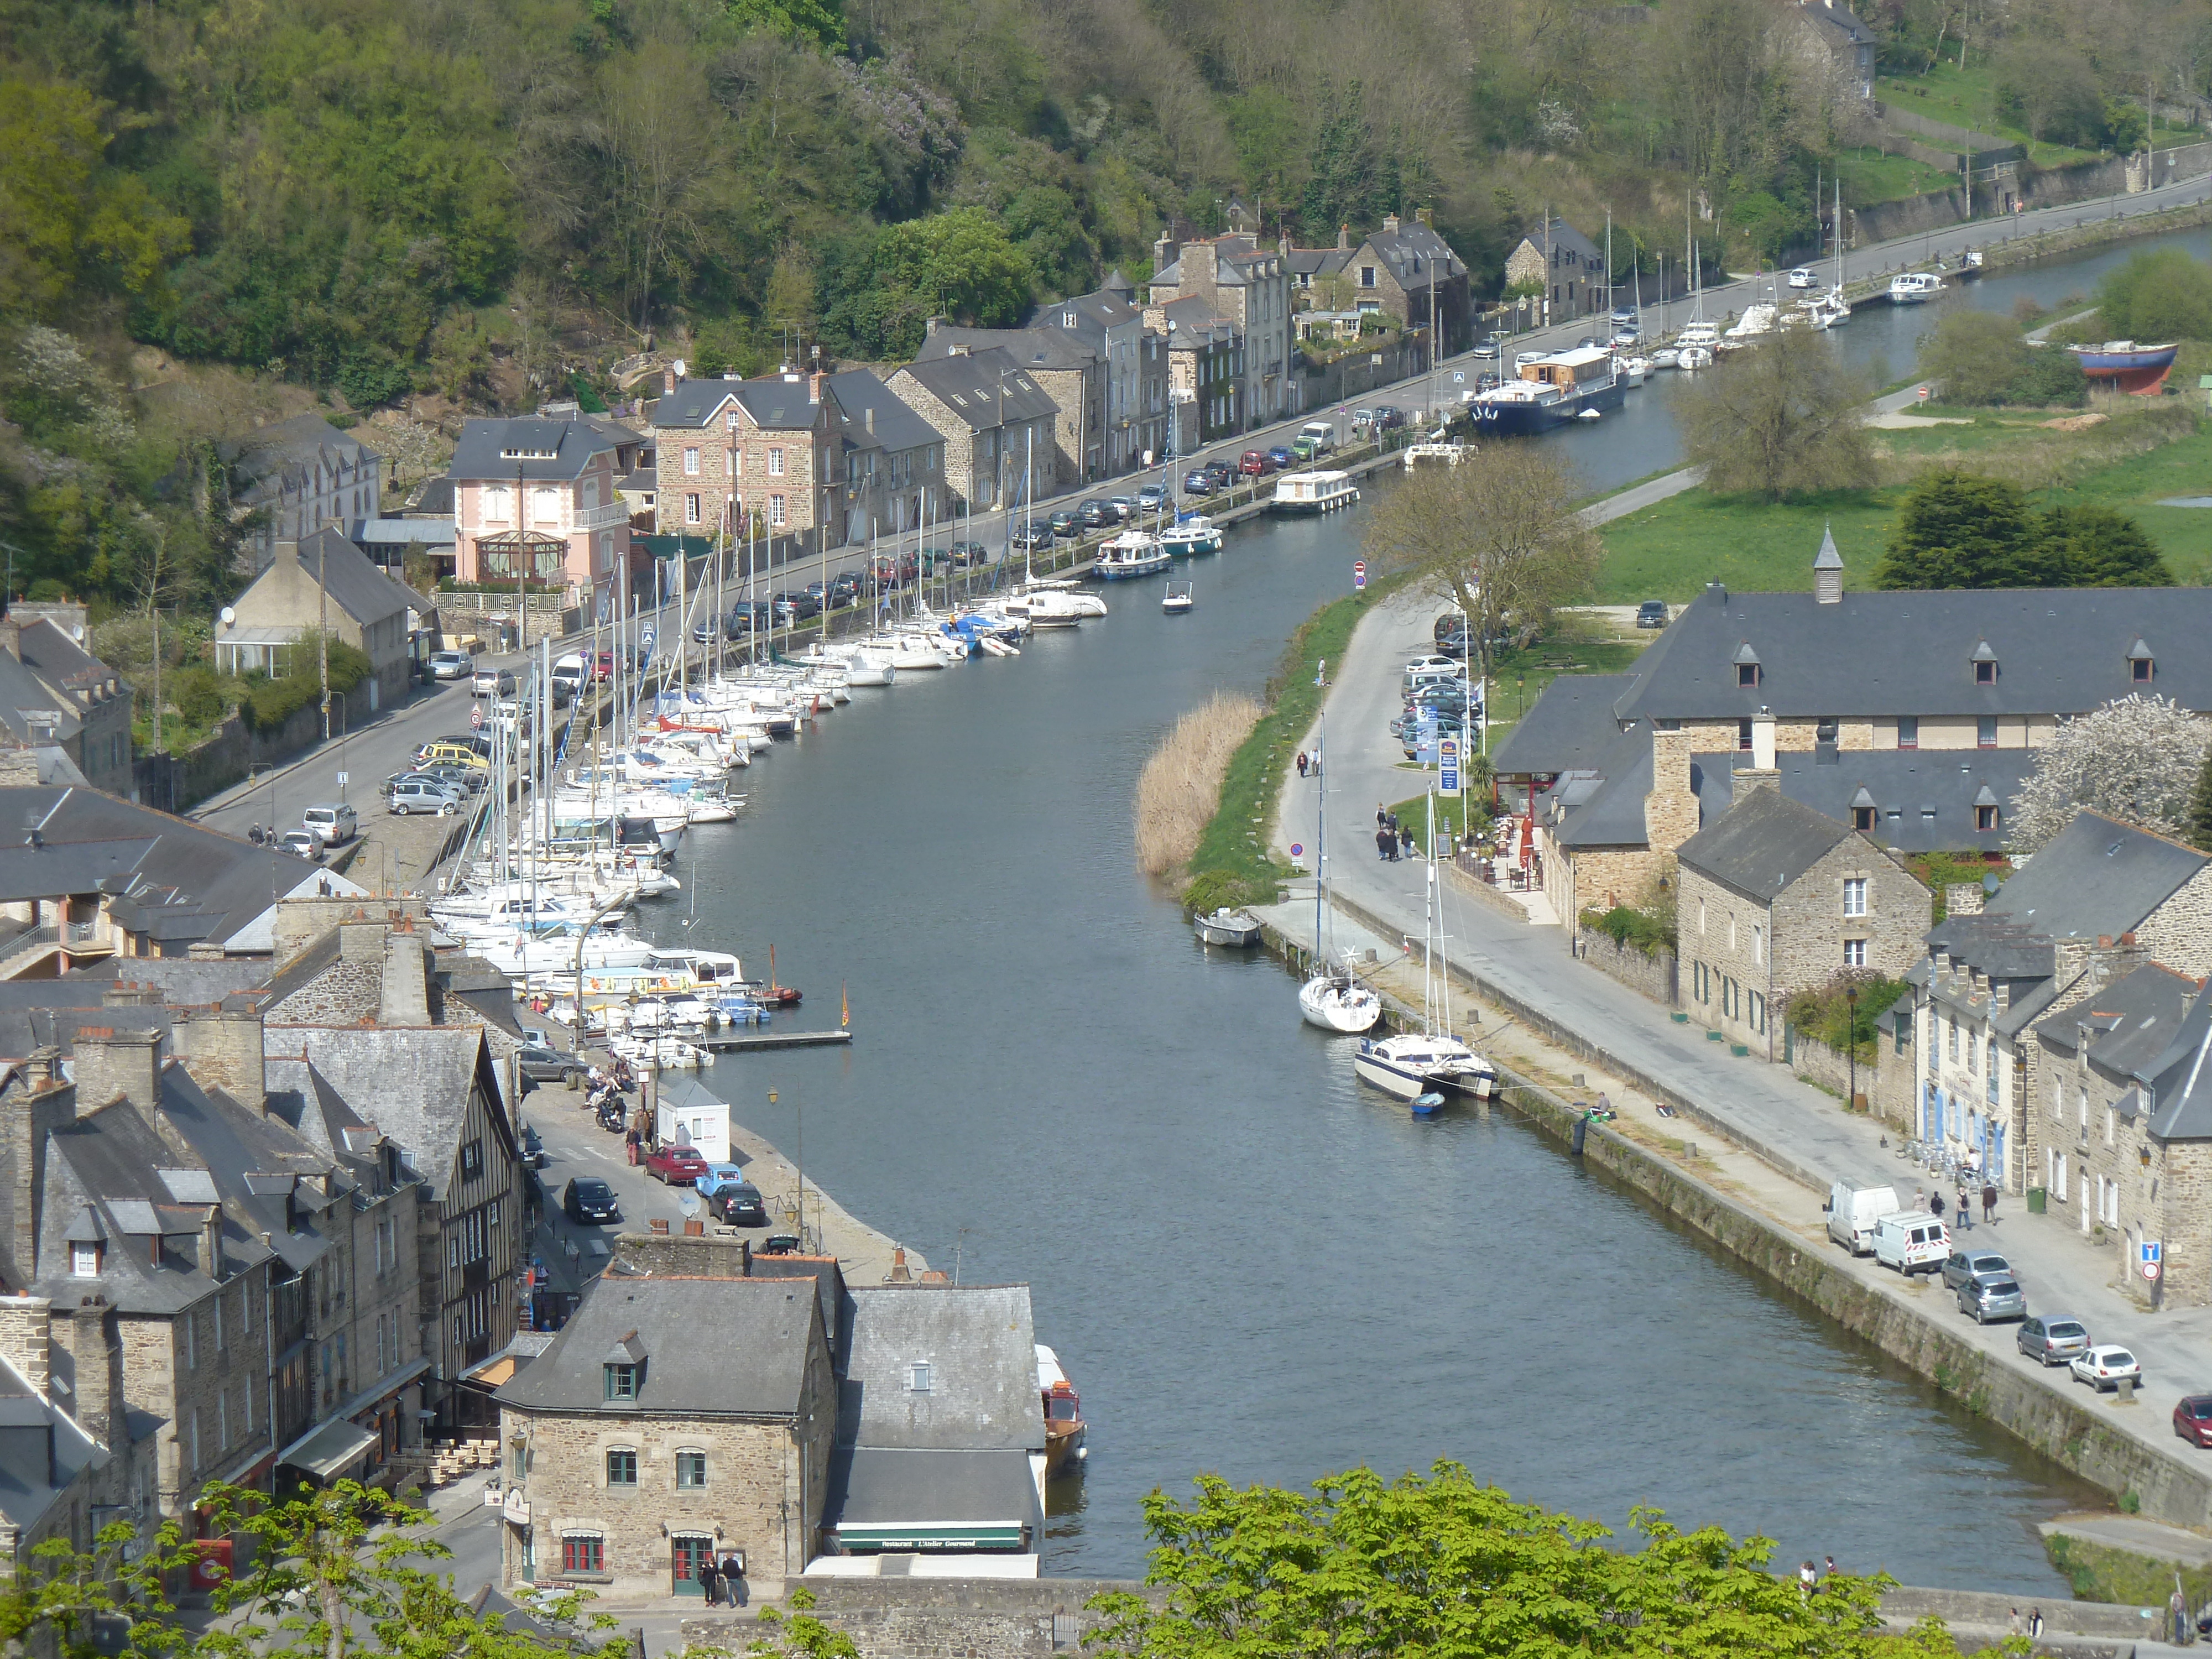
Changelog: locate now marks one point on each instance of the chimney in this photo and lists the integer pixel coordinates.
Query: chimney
(1962, 898)
(361, 943)
(1762, 740)
(95, 1363)
(1717, 593)
(221, 1047)
(108, 1063)
(211, 1241)
(406, 994)
(930, 325)
(2113, 960)
(1670, 811)
(1344, 238)
(814, 386)
(1750, 780)
(26, 1342)
(1390, 223)
(1828, 571)
(1427, 216)
(32, 1104)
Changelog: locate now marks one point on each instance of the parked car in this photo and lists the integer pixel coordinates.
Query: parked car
(1522, 359)
(569, 675)
(1652, 613)
(2192, 1418)
(1625, 337)
(603, 664)
(1096, 515)
(1803, 277)
(1454, 644)
(1303, 449)
(1278, 458)
(718, 1174)
(1254, 463)
(2053, 1339)
(789, 608)
(1962, 1267)
(590, 1202)
(333, 825)
(968, 554)
(1485, 352)
(845, 590)
(421, 795)
(739, 1204)
(1389, 417)
(2106, 1365)
(1065, 524)
(451, 665)
(1622, 314)
(1200, 483)
(1151, 498)
(1993, 1295)
(492, 683)
(778, 1244)
(533, 1148)
(302, 845)
(1362, 419)
(463, 780)
(543, 1066)
(1035, 533)
(707, 630)
(675, 1166)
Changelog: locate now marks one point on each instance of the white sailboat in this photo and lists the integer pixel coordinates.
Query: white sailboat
(1334, 997)
(1413, 1065)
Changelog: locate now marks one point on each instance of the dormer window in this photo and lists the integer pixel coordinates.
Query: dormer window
(1865, 812)
(84, 1261)
(1747, 667)
(1986, 664)
(622, 1380)
(1986, 816)
(2141, 667)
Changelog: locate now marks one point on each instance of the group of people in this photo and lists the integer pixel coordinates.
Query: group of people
(1960, 1205)
(723, 1580)
(1308, 765)
(1390, 841)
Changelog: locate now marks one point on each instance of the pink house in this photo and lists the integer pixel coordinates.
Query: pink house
(554, 477)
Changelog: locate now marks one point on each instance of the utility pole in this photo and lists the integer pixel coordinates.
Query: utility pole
(322, 628)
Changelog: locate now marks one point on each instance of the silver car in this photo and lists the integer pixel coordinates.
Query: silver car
(2053, 1339)
(1992, 1296)
(412, 795)
(1962, 1267)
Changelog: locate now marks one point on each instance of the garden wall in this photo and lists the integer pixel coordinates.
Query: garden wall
(1656, 977)
(176, 783)
(1358, 372)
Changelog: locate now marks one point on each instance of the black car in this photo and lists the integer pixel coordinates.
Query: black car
(1200, 483)
(739, 1205)
(1652, 613)
(791, 608)
(778, 1244)
(745, 618)
(533, 1149)
(591, 1201)
(845, 590)
(1389, 418)
(1066, 524)
(543, 1066)
(1096, 515)
(974, 553)
(1036, 533)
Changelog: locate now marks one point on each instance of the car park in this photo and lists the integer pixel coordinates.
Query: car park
(544, 1066)
(1992, 1296)
(1652, 613)
(590, 1202)
(2052, 1339)
(492, 683)
(301, 844)
(421, 795)
(2106, 1365)
(1962, 1267)
(1254, 463)
(1095, 514)
(739, 1204)
(333, 825)
(2192, 1418)
(675, 1166)
(451, 665)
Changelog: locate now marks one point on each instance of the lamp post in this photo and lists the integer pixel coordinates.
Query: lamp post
(345, 718)
(1851, 1039)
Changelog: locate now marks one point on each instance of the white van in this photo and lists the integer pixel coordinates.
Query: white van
(569, 675)
(332, 825)
(1853, 1212)
(1912, 1242)
(1324, 434)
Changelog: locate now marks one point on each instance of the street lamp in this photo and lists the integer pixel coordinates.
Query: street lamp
(345, 720)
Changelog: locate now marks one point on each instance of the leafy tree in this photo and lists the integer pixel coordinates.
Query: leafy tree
(2137, 759)
(1780, 420)
(1959, 530)
(2162, 294)
(2199, 828)
(1437, 1563)
(821, 22)
(796, 1632)
(2100, 547)
(1981, 359)
(1342, 156)
(1264, 127)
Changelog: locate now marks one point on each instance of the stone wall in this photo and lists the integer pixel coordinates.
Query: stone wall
(907, 1618)
(2179, 934)
(1723, 978)
(1810, 928)
(1653, 976)
(1354, 374)
(174, 783)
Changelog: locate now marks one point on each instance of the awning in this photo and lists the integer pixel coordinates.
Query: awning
(932, 1535)
(325, 1452)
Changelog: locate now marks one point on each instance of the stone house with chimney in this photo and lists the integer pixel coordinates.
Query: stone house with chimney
(1564, 267)
(295, 477)
(1206, 372)
(893, 461)
(324, 584)
(1250, 287)
(558, 479)
(999, 426)
(54, 692)
(1774, 897)
(1404, 271)
(769, 450)
(1135, 359)
(1073, 373)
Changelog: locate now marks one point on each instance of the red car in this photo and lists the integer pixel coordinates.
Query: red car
(603, 666)
(676, 1166)
(2192, 1418)
(1254, 463)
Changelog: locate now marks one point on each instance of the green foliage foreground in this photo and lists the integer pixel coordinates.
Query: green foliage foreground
(1437, 1565)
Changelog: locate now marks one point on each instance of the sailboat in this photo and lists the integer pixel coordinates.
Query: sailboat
(1831, 310)
(1332, 998)
(1415, 1065)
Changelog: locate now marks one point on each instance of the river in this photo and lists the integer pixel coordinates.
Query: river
(1248, 1266)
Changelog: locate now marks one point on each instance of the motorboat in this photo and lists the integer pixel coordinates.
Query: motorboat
(1302, 493)
(1336, 1001)
(1192, 532)
(1045, 608)
(1411, 1064)
(1131, 554)
(1756, 321)
(1064, 1433)
(1634, 370)
(1177, 600)
(1236, 930)
(1086, 603)
(1552, 392)
(1694, 357)
(1665, 357)
(1703, 334)
(1913, 287)
(1830, 310)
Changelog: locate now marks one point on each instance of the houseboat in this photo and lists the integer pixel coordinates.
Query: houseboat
(1567, 386)
(1314, 492)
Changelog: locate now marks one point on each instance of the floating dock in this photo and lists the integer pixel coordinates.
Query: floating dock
(741, 1042)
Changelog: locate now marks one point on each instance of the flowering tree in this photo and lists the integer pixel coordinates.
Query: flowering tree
(2136, 759)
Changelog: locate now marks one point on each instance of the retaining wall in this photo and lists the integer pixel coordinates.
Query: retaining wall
(1474, 887)
(1654, 976)
(905, 1618)
(176, 783)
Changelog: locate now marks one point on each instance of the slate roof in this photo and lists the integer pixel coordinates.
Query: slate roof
(1196, 325)
(554, 451)
(42, 1451)
(897, 427)
(283, 451)
(780, 402)
(971, 386)
(2061, 650)
(714, 1347)
(1570, 724)
(1415, 253)
(355, 585)
(1603, 802)
(1566, 239)
(886, 1485)
(1762, 844)
(1034, 349)
(1094, 314)
(2178, 1084)
(410, 1082)
(254, 1161)
(2094, 876)
(2130, 1023)
(1901, 785)
(1841, 19)
(980, 1345)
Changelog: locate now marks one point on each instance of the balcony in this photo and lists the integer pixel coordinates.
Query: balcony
(615, 515)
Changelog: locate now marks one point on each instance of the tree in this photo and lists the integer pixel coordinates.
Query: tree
(2161, 295)
(1781, 421)
(1959, 530)
(2138, 759)
(1977, 356)
(1341, 186)
(1438, 1564)
(961, 263)
(2200, 808)
(2100, 547)
(1496, 535)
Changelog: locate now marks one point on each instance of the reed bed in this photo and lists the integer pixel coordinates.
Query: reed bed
(1180, 786)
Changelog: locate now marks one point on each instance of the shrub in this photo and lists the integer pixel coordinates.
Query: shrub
(1826, 1015)
(199, 696)
(1625, 925)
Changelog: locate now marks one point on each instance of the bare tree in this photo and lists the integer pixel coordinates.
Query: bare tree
(1496, 535)
(656, 133)
(1781, 419)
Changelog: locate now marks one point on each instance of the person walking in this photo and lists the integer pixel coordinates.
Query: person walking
(1830, 1572)
(1966, 1214)
(1302, 763)
(1806, 1583)
(733, 1579)
(1383, 843)
(1391, 837)
(1382, 817)
(2177, 1617)
(2035, 1624)
(1936, 1203)
(1989, 1202)
(710, 1580)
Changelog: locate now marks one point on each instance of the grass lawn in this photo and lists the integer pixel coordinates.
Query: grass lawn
(1671, 551)
(1965, 99)
(1870, 177)
(2137, 485)
(1578, 646)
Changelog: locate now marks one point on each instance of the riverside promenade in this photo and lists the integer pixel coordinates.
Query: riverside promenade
(1763, 1141)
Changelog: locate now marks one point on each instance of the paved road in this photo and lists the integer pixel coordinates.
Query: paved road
(1797, 1126)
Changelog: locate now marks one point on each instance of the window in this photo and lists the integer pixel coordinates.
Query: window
(220, 1340)
(495, 504)
(621, 1381)
(195, 1437)
(2139, 670)
(1367, 276)
(1854, 953)
(192, 1344)
(775, 509)
(1985, 671)
(1985, 732)
(1747, 673)
(775, 463)
(583, 1554)
(917, 1377)
(84, 1261)
(691, 509)
(690, 1471)
(545, 505)
(2111, 1123)
(730, 421)
(249, 1402)
(1951, 1044)
(622, 1468)
(1855, 895)
(1974, 1056)
(221, 1418)
(690, 462)
(1985, 817)
(1758, 1014)
(1908, 731)
(1758, 945)
(1862, 818)
(472, 1161)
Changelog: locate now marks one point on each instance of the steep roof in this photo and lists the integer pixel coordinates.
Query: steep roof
(1602, 803)
(265, 459)
(2177, 1086)
(42, 1451)
(1193, 325)
(979, 1391)
(783, 403)
(534, 448)
(2130, 1023)
(413, 1082)
(2058, 650)
(1089, 316)
(1924, 799)
(1562, 236)
(1570, 724)
(2094, 876)
(1762, 844)
(1034, 349)
(356, 585)
(897, 427)
(764, 1331)
(1416, 253)
(984, 388)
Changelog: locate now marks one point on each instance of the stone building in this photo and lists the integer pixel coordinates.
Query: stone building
(294, 476)
(558, 479)
(769, 450)
(1206, 372)
(1565, 267)
(1112, 324)
(893, 461)
(2126, 1110)
(1249, 286)
(671, 1418)
(54, 1472)
(53, 691)
(998, 424)
(1773, 898)
(324, 584)
(1073, 373)
(1405, 271)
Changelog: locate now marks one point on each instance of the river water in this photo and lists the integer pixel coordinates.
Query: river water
(1248, 1266)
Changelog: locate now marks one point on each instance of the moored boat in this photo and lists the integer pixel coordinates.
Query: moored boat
(1410, 1065)
(1237, 929)
(1335, 1000)
(2141, 369)
(1314, 492)
(1177, 600)
(1550, 392)
(1194, 533)
(1064, 1431)
(1914, 288)
(1131, 553)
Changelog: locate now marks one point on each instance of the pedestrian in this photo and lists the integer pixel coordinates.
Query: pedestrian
(1383, 843)
(1393, 823)
(2012, 1620)
(2178, 1617)
(710, 1581)
(733, 1579)
(1990, 1202)
(1382, 817)
(1302, 763)
(1936, 1203)
(1965, 1215)
(1832, 1566)
(2035, 1624)
(1806, 1583)
(1391, 836)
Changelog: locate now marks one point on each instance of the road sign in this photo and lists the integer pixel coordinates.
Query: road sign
(1447, 760)
(1298, 849)
(2147, 1252)
(476, 718)
(645, 636)
(341, 779)
(1458, 379)
(1923, 394)
(1359, 572)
